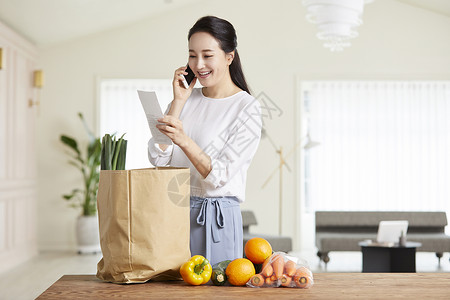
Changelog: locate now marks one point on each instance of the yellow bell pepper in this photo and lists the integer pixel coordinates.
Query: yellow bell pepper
(196, 270)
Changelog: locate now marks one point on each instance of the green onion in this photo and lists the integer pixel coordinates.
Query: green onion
(113, 153)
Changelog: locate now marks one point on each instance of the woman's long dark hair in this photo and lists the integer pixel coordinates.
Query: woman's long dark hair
(223, 31)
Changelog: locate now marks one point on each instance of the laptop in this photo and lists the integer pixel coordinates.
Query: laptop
(390, 231)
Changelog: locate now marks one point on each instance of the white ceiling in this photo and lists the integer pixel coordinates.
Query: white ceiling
(47, 22)
(437, 6)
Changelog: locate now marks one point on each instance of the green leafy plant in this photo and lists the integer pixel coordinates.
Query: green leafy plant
(88, 164)
(114, 153)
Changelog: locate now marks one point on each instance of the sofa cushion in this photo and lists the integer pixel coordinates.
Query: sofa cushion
(278, 243)
(371, 218)
(248, 218)
(330, 241)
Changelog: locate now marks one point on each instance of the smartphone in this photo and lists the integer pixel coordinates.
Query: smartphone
(187, 79)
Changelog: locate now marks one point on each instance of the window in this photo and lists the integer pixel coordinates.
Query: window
(384, 145)
(121, 112)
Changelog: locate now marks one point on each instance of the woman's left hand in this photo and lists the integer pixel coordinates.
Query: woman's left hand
(173, 128)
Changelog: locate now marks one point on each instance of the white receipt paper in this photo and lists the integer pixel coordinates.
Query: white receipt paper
(153, 112)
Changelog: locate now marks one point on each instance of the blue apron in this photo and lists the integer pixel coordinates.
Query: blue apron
(216, 228)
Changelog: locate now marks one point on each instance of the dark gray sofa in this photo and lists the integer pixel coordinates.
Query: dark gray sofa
(278, 243)
(342, 230)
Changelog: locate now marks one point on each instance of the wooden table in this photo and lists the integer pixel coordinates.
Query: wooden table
(326, 286)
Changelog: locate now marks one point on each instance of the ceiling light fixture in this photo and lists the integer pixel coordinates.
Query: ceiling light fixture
(336, 20)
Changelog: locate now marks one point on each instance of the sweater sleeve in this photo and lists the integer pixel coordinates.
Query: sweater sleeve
(158, 157)
(240, 146)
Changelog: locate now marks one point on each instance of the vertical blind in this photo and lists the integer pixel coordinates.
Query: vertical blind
(121, 112)
(384, 145)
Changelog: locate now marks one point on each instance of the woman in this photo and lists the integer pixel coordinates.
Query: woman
(215, 132)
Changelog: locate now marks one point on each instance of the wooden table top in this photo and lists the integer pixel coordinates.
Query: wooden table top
(326, 286)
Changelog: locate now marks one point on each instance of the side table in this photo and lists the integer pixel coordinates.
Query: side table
(385, 258)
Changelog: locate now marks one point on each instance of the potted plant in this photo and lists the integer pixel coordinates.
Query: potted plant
(88, 164)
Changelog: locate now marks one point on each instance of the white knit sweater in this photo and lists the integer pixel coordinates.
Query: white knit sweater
(228, 130)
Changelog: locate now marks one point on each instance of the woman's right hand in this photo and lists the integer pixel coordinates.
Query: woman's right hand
(180, 93)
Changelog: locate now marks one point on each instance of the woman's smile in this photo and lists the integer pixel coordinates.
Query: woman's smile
(204, 74)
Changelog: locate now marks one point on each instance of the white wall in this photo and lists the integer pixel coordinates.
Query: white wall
(18, 196)
(276, 45)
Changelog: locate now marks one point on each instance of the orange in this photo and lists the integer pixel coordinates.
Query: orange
(239, 271)
(257, 250)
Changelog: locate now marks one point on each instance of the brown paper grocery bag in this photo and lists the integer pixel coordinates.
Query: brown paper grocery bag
(144, 224)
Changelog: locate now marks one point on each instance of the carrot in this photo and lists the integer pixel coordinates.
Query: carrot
(278, 265)
(273, 277)
(285, 280)
(257, 280)
(290, 268)
(305, 270)
(267, 269)
(302, 278)
(269, 281)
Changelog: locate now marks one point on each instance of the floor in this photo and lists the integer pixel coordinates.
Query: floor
(29, 280)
